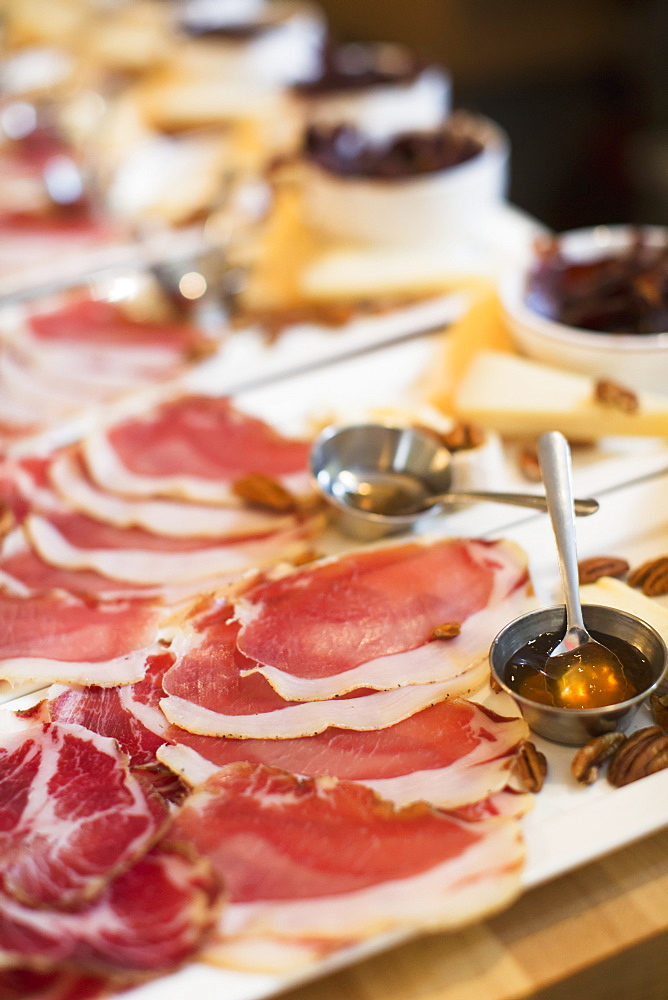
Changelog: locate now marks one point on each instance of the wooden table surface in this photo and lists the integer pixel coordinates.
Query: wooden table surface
(598, 933)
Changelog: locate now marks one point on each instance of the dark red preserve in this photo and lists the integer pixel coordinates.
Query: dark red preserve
(347, 152)
(622, 292)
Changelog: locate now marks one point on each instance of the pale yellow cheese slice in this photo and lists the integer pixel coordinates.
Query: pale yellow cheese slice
(614, 593)
(518, 397)
(367, 271)
(482, 327)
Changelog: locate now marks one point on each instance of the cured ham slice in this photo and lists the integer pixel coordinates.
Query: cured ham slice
(213, 691)
(73, 541)
(194, 447)
(95, 323)
(366, 619)
(27, 243)
(451, 754)
(27, 984)
(48, 398)
(24, 573)
(149, 919)
(364, 711)
(163, 517)
(71, 815)
(130, 714)
(59, 637)
(305, 858)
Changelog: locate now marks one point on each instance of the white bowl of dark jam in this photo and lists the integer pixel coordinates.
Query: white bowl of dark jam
(595, 301)
(415, 188)
(517, 657)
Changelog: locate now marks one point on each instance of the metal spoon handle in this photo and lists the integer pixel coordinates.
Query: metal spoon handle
(536, 502)
(555, 465)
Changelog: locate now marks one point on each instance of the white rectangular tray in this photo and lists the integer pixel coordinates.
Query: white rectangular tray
(569, 825)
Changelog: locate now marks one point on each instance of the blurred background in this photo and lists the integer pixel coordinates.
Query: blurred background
(581, 86)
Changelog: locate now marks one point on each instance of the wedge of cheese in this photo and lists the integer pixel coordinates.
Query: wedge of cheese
(518, 397)
(614, 594)
(482, 327)
(362, 272)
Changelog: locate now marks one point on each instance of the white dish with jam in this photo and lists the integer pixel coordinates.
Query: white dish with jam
(427, 207)
(638, 360)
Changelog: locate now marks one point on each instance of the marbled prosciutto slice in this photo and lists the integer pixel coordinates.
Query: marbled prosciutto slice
(213, 691)
(71, 815)
(90, 349)
(91, 324)
(194, 447)
(19, 983)
(365, 619)
(308, 858)
(57, 636)
(23, 572)
(162, 517)
(130, 714)
(451, 754)
(149, 919)
(76, 542)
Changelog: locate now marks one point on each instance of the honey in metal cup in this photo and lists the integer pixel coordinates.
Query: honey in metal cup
(575, 726)
(396, 462)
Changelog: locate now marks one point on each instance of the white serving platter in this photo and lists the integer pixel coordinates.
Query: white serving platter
(569, 825)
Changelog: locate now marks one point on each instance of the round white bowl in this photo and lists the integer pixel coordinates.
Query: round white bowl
(639, 361)
(428, 209)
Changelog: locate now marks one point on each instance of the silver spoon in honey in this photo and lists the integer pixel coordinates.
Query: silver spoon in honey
(581, 672)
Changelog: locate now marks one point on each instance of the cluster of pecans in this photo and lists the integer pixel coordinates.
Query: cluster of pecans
(629, 758)
(651, 576)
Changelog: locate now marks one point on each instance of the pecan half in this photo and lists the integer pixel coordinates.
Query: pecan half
(594, 568)
(449, 630)
(651, 577)
(530, 767)
(7, 520)
(307, 556)
(643, 753)
(616, 396)
(259, 490)
(659, 706)
(529, 465)
(587, 761)
(463, 437)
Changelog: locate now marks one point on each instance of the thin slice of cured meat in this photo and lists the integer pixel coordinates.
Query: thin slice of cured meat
(71, 815)
(74, 541)
(451, 754)
(149, 919)
(26, 984)
(195, 447)
(97, 323)
(131, 715)
(212, 690)
(25, 486)
(28, 243)
(24, 573)
(162, 517)
(93, 345)
(56, 636)
(367, 618)
(316, 857)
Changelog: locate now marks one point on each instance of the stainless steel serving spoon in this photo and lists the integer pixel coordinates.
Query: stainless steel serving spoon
(398, 495)
(584, 672)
